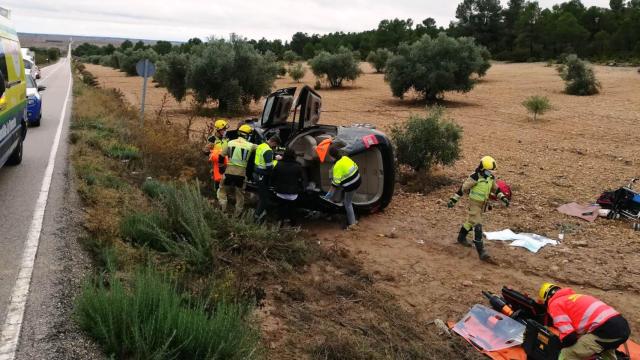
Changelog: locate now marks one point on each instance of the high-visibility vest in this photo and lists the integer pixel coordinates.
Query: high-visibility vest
(578, 313)
(482, 189)
(345, 172)
(239, 151)
(259, 160)
(323, 148)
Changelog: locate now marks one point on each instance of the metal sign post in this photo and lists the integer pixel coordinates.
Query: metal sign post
(144, 68)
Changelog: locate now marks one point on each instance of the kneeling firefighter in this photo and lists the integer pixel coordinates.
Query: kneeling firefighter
(479, 185)
(587, 325)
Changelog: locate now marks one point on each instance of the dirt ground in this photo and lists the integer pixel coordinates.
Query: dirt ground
(582, 147)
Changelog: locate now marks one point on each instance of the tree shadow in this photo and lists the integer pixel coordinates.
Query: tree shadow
(418, 103)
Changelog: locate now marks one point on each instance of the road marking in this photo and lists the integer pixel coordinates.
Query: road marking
(15, 311)
(60, 65)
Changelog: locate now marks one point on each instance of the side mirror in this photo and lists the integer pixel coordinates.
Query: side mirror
(41, 88)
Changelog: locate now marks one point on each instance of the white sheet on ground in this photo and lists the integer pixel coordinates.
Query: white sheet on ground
(531, 242)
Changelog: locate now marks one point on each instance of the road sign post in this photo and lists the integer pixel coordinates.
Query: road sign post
(144, 68)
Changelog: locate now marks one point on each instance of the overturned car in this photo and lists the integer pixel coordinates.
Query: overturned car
(369, 148)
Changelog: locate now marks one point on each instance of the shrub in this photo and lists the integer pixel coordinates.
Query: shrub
(537, 105)
(282, 70)
(172, 74)
(317, 85)
(122, 151)
(146, 230)
(433, 66)
(422, 142)
(154, 321)
(579, 77)
(290, 56)
(297, 72)
(88, 78)
(232, 73)
(378, 59)
(336, 67)
(53, 54)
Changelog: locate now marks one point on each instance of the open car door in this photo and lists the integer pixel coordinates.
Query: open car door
(277, 107)
(308, 104)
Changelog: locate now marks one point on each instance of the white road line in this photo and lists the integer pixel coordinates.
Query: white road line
(13, 323)
(60, 65)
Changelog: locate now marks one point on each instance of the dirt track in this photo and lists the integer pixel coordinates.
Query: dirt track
(573, 153)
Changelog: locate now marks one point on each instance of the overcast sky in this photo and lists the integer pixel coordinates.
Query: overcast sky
(183, 19)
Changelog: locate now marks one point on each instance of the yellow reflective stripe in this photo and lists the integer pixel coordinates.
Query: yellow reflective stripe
(604, 315)
(587, 314)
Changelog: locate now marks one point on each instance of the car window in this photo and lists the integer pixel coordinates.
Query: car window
(31, 84)
(27, 64)
(3, 62)
(267, 110)
(12, 50)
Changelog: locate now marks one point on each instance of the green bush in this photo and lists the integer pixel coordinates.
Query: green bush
(537, 105)
(579, 77)
(336, 67)
(154, 321)
(130, 58)
(123, 152)
(153, 188)
(146, 230)
(290, 56)
(378, 59)
(297, 72)
(433, 66)
(422, 142)
(233, 73)
(282, 70)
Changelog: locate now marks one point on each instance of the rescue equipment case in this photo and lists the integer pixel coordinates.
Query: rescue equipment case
(540, 343)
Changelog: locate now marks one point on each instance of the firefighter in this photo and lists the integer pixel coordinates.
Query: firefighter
(265, 160)
(217, 143)
(587, 326)
(238, 151)
(345, 178)
(479, 186)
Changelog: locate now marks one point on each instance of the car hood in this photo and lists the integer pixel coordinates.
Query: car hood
(32, 92)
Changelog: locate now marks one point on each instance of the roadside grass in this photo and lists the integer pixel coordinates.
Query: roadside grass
(152, 320)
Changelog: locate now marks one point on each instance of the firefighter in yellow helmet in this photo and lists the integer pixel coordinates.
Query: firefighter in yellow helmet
(217, 143)
(239, 151)
(479, 186)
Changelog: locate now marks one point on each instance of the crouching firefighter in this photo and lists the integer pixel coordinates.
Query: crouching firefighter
(480, 185)
(587, 325)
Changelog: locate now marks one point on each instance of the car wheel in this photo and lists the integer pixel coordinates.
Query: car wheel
(37, 122)
(16, 156)
(38, 77)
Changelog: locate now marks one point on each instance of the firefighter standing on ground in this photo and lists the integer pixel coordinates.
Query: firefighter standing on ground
(238, 151)
(217, 143)
(265, 160)
(480, 185)
(587, 325)
(345, 178)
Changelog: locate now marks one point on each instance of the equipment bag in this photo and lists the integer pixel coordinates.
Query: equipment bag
(540, 343)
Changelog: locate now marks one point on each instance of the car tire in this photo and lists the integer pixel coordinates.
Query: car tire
(37, 122)
(16, 155)
(38, 77)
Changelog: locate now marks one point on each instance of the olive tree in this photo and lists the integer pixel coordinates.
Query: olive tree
(431, 66)
(130, 58)
(424, 141)
(290, 56)
(579, 77)
(378, 59)
(172, 73)
(336, 67)
(537, 105)
(297, 72)
(233, 73)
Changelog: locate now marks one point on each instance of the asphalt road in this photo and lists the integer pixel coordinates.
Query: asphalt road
(21, 197)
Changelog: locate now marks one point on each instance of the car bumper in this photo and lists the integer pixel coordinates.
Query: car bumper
(34, 111)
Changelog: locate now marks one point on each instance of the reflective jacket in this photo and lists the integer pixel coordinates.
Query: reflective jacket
(346, 174)
(264, 160)
(218, 162)
(479, 186)
(577, 313)
(238, 151)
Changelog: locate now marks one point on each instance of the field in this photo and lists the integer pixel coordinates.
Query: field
(584, 146)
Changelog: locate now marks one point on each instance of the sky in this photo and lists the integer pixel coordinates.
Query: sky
(184, 19)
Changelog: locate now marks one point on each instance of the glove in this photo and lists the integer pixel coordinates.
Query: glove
(328, 195)
(452, 202)
(505, 201)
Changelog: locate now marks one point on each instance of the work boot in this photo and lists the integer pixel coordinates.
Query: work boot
(482, 253)
(462, 237)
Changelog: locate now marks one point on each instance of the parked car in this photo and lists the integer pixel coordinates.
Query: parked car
(13, 89)
(369, 148)
(32, 68)
(34, 102)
